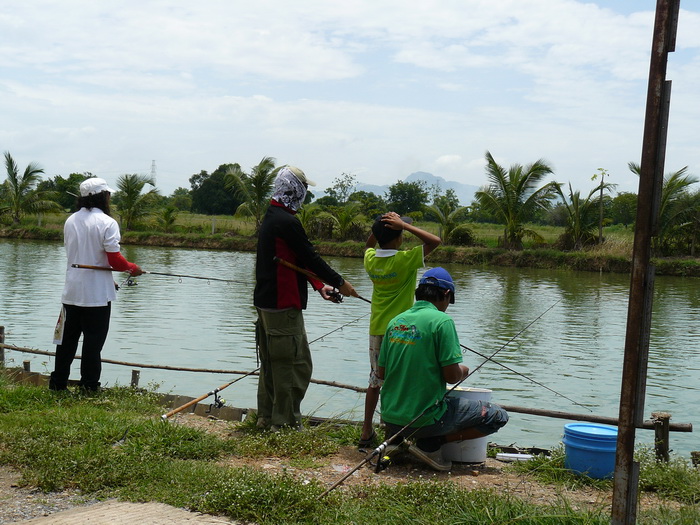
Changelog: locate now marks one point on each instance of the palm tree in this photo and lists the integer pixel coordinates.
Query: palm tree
(675, 210)
(253, 189)
(19, 192)
(166, 218)
(447, 216)
(513, 197)
(346, 219)
(689, 232)
(582, 218)
(307, 215)
(132, 204)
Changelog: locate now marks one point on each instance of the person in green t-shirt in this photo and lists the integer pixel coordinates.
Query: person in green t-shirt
(419, 355)
(393, 273)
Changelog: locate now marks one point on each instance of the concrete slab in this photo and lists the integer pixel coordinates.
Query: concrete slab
(114, 512)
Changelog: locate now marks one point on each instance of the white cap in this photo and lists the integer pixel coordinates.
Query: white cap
(93, 186)
(299, 174)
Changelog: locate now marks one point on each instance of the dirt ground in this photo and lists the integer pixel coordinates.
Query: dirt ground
(22, 503)
(493, 474)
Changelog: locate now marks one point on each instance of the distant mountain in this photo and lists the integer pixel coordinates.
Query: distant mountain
(464, 192)
(372, 188)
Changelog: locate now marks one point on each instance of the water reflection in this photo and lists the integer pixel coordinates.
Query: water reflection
(576, 347)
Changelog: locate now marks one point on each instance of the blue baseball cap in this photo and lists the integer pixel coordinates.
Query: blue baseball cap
(441, 278)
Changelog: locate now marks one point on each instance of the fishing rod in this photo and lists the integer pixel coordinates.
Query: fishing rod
(381, 448)
(214, 392)
(217, 402)
(311, 275)
(525, 376)
(109, 269)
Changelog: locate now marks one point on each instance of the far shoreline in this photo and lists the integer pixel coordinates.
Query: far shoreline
(539, 258)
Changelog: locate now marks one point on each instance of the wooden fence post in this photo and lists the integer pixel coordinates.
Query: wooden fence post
(135, 375)
(2, 348)
(661, 437)
(27, 365)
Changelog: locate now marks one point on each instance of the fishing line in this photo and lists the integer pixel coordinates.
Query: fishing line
(525, 376)
(339, 328)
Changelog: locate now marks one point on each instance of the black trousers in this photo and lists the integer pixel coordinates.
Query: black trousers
(93, 324)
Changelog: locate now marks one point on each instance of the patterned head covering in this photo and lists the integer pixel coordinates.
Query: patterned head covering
(288, 189)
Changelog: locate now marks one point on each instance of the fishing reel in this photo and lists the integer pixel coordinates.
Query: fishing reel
(218, 402)
(129, 281)
(382, 463)
(335, 296)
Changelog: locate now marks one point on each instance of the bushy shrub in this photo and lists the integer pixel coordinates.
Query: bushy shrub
(462, 235)
(321, 228)
(566, 242)
(356, 232)
(417, 215)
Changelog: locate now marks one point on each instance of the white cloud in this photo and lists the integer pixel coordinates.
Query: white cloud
(379, 88)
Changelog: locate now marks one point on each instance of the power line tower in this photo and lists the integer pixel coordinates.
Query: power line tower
(153, 172)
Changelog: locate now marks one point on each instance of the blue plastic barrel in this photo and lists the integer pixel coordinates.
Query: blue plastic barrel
(590, 449)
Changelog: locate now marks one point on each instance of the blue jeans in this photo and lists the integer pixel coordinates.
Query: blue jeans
(461, 414)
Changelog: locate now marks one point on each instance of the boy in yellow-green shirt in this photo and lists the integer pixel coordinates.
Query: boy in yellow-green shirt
(393, 273)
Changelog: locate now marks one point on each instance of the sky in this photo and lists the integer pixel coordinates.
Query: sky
(378, 89)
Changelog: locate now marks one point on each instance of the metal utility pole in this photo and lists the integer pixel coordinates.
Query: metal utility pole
(601, 208)
(153, 172)
(625, 488)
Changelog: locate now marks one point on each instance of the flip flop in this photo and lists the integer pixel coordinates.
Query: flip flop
(369, 442)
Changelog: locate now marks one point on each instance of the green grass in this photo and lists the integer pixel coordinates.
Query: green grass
(550, 470)
(114, 445)
(676, 480)
(194, 223)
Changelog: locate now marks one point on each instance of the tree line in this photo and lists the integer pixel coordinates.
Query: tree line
(514, 197)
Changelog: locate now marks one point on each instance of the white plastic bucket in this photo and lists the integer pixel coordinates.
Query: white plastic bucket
(469, 450)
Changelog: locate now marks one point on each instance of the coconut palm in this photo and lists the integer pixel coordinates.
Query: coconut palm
(346, 220)
(19, 193)
(582, 218)
(253, 189)
(447, 216)
(166, 218)
(307, 215)
(132, 204)
(675, 209)
(513, 197)
(688, 233)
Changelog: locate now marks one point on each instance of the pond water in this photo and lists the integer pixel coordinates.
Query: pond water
(575, 348)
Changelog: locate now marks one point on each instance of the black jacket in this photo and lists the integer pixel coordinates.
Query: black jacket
(277, 286)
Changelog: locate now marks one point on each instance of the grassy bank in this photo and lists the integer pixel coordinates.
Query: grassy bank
(613, 256)
(113, 444)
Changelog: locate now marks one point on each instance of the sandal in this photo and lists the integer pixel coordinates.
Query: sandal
(369, 442)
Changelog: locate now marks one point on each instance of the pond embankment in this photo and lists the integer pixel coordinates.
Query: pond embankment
(542, 258)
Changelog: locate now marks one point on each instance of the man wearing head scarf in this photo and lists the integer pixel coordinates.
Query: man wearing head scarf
(280, 295)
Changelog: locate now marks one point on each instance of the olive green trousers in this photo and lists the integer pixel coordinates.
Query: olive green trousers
(285, 366)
